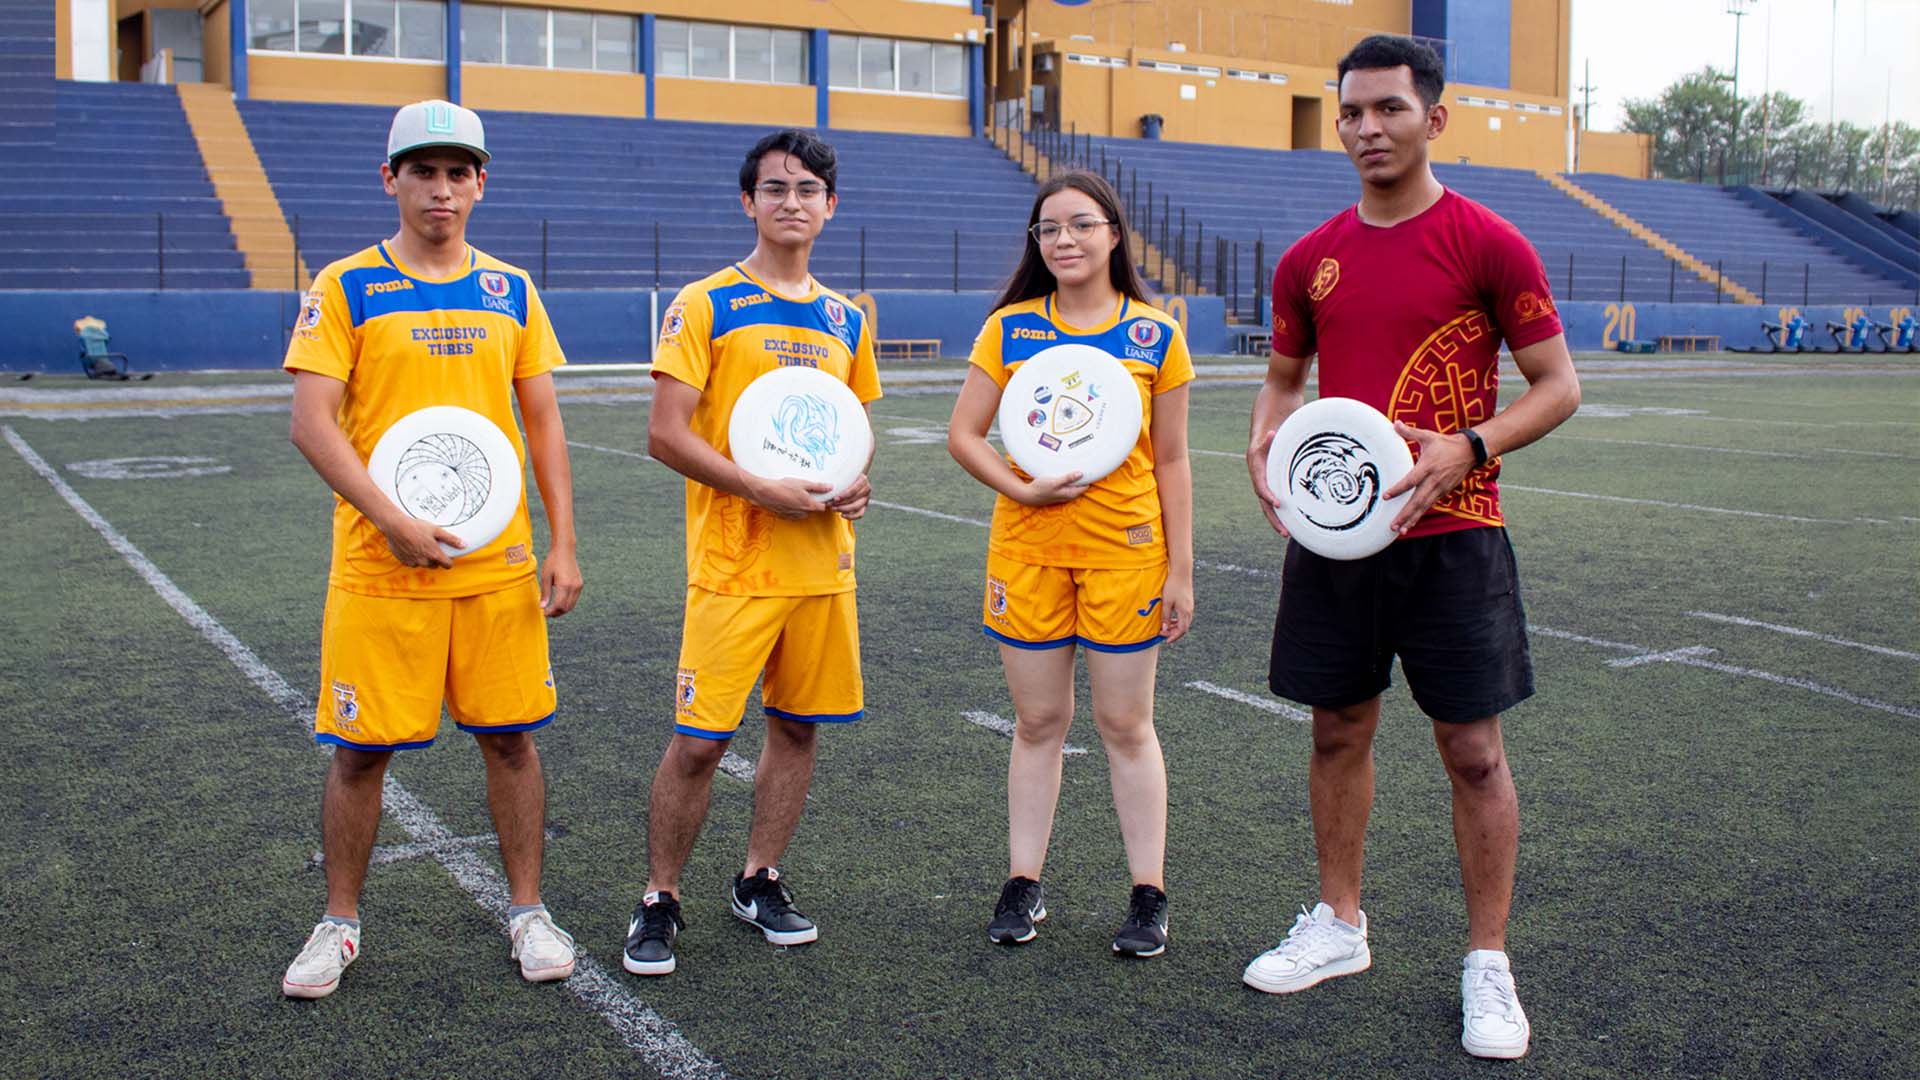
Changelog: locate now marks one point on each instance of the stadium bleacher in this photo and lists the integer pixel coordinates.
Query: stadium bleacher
(1246, 194)
(126, 206)
(575, 199)
(1771, 258)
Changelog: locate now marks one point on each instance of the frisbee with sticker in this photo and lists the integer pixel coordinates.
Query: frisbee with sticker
(1070, 408)
(1329, 464)
(800, 423)
(453, 467)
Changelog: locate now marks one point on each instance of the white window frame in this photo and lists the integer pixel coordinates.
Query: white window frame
(347, 53)
(593, 40)
(733, 62)
(933, 72)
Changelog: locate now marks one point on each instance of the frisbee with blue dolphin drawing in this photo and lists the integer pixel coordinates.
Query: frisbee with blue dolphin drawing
(1070, 408)
(1329, 463)
(453, 467)
(800, 423)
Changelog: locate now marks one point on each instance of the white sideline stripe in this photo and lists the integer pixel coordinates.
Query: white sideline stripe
(1679, 656)
(996, 722)
(928, 513)
(1797, 632)
(384, 854)
(1868, 453)
(1279, 708)
(1682, 506)
(1230, 568)
(611, 450)
(1676, 446)
(657, 1039)
(1658, 657)
(1215, 453)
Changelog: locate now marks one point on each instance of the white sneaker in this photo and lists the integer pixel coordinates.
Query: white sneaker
(1492, 1023)
(316, 971)
(544, 950)
(1319, 947)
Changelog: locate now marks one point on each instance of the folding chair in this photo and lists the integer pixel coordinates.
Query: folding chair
(95, 360)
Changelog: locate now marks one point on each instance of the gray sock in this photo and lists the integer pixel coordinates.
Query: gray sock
(518, 910)
(342, 920)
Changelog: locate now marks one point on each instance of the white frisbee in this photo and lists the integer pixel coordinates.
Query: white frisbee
(453, 467)
(1329, 463)
(1070, 408)
(800, 423)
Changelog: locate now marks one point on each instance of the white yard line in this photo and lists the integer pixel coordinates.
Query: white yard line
(1562, 436)
(1695, 507)
(656, 1039)
(1795, 631)
(1264, 704)
(997, 723)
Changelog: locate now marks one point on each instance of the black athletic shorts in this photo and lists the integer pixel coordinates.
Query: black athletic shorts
(1447, 605)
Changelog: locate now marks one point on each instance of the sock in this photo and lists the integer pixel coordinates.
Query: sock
(518, 910)
(342, 920)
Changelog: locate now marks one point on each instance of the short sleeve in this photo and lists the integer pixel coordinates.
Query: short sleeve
(539, 348)
(864, 377)
(1177, 369)
(1520, 297)
(986, 353)
(323, 338)
(1292, 314)
(685, 349)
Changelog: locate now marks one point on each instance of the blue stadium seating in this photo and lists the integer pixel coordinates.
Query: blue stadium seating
(1716, 226)
(575, 200)
(124, 202)
(1246, 194)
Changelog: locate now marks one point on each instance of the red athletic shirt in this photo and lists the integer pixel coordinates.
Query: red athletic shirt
(1409, 319)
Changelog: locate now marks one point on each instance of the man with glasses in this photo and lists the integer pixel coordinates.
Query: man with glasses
(770, 581)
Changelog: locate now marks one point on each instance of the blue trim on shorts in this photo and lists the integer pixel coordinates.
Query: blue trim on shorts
(1135, 647)
(816, 718)
(501, 729)
(330, 738)
(1018, 644)
(703, 733)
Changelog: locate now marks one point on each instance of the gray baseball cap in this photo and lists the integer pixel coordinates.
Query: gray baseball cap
(436, 123)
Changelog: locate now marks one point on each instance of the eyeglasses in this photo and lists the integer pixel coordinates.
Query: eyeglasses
(1047, 232)
(776, 190)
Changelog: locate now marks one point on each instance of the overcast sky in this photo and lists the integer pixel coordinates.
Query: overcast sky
(1638, 47)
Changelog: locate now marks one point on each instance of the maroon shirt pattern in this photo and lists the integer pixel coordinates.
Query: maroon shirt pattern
(1409, 319)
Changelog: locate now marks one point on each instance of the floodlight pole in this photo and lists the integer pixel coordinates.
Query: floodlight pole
(1738, 9)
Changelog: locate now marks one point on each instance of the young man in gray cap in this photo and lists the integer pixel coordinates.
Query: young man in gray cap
(417, 321)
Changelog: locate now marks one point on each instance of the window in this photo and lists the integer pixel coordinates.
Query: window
(890, 66)
(524, 35)
(738, 53)
(396, 29)
(613, 43)
(480, 33)
(572, 40)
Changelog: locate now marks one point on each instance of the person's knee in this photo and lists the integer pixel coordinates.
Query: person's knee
(1345, 730)
(794, 734)
(690, 756)
(354, 766)
(1473, 754)
(508, 749)
(1043, 726)
(1124, 731)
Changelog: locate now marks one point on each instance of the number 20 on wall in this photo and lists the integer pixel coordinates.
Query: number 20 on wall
(1620, 326)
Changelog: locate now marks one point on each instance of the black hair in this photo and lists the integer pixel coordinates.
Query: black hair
(814, 152)
(1378, 51)
(1032, 279)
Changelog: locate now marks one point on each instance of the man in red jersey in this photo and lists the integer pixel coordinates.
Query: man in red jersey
(1405, 298)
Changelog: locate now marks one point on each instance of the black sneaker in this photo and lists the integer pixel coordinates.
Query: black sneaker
(1144, 933)
(765, 902)
(1021, 905)
(650, 936)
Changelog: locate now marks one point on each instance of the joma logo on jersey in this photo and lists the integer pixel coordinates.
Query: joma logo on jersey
(739, 302)
(1021, 333)
(375, 288)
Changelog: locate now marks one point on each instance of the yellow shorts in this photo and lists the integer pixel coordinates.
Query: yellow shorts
(809, 647)
(1047, 607)
(387, 663)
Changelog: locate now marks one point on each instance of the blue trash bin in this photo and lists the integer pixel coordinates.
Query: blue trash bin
(1150, 125)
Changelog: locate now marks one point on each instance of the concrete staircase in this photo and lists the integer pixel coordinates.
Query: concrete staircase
(258, 222)
(1652, 239)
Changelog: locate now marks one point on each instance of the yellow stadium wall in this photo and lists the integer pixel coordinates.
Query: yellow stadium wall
(275, 77)
(1622, 153)
(1524, 140)
(589, 93)
(1308, 32)
(63, 39)
(898, 113)
(1538, 58)
(727, 102)
(216, 38)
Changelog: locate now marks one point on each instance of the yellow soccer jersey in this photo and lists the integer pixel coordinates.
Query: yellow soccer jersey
(721, 333)
(401, 342)
(1116, 524)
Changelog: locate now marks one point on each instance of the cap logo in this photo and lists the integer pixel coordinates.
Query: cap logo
(439, 118)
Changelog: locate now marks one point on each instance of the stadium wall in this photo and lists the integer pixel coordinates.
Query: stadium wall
(1618, 153)
(247, 329)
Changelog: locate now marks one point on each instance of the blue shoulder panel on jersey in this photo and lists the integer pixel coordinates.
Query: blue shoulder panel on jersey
(747, 304)
(1139, 338)
(373, 291)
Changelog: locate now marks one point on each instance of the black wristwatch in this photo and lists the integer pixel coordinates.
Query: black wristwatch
(1479, 446)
